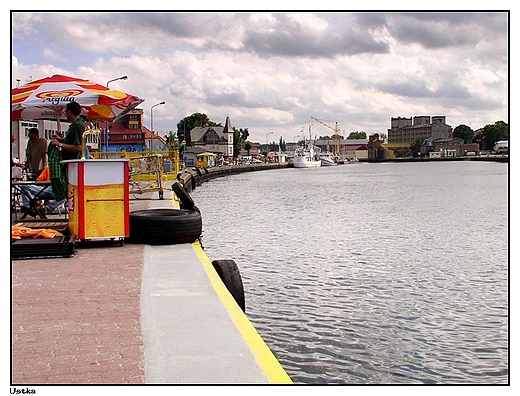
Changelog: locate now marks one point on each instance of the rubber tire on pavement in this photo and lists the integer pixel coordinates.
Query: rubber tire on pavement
(186, 201)
(228, 272)
(165, 226)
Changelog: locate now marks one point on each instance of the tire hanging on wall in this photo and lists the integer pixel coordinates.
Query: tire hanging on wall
(230, 276)
(186, 201)
(165, 226)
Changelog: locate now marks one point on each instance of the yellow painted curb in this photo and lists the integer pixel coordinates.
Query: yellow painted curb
(265, 357)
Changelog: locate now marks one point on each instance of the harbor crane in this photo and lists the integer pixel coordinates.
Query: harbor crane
(336, 133)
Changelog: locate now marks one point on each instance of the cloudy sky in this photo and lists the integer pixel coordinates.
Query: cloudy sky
(272, 71)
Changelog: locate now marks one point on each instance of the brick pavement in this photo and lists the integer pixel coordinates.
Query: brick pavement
(77, 320)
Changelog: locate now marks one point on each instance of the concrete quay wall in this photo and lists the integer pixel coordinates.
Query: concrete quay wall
(191, 178)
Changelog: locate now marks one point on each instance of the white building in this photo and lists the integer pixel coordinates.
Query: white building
(214, 138)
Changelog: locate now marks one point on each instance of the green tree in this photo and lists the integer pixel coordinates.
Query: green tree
(272, 146)
(463, 132)
(493, 133)
(282, 145)
(185, 125)
(172, 142)
(244, 134)
(357, 135)
(333, 137)
(237, 142)
(383, 137)
(416, 146)
(248, 146)
(239, 136)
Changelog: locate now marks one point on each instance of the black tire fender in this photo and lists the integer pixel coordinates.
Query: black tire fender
(184, 196)
(228, 272)
(165, 226)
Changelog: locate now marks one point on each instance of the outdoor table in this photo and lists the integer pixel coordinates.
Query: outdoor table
(33, 199)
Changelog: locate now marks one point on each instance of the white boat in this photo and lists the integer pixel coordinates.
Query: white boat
(304, 159)
(306, 156)
(328, 159)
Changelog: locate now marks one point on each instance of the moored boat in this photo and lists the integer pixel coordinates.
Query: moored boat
(328, 159)
(306, 156)
(304, 159)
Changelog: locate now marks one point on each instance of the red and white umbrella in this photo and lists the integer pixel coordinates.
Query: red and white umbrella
(46, 99)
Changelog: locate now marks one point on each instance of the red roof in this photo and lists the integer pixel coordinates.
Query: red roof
(355, 147)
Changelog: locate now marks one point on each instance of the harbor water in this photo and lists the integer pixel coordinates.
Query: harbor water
(388, 273)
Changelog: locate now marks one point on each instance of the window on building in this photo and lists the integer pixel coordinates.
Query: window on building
(134, 121)
(211, 137)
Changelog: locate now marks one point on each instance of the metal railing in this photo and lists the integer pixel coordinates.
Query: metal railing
(146, 174)
(147, 169)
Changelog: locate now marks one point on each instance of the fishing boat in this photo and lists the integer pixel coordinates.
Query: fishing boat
(305, 159)
(307, 156)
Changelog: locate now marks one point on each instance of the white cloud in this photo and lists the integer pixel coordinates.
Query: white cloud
(273, 71)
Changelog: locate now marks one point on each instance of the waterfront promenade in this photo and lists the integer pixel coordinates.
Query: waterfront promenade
(132, 314)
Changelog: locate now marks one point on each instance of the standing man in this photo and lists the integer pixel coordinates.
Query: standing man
(36, 152)
(70, 145)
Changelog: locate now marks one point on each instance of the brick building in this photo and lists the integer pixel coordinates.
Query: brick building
(407, 130)
(128, 133)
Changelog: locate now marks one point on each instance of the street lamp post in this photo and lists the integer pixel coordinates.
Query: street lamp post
(267, 145)
(151, 121)
(106, 125)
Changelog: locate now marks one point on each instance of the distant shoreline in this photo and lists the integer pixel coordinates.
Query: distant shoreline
(476, 158)
(193, 177)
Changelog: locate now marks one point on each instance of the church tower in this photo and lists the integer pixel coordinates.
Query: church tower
(228, 135)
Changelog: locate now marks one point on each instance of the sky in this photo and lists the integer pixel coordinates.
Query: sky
(273, 71)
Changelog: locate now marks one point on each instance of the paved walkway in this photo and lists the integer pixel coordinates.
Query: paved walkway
(132, 315)
(77, 320)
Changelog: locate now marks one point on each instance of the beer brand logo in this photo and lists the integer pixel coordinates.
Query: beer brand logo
(57, 97)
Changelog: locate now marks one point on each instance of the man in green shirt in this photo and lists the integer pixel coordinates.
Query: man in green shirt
(70, 145)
